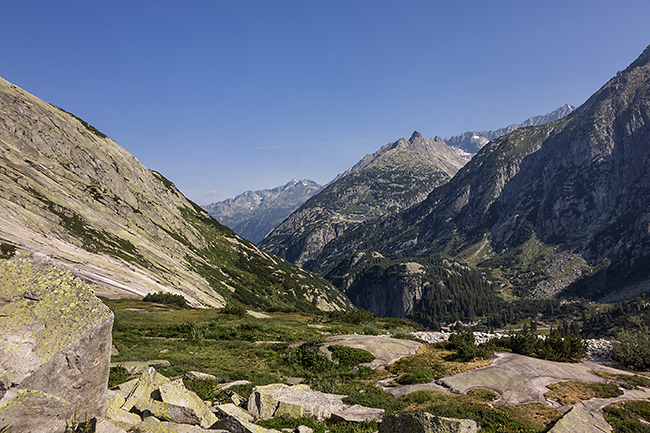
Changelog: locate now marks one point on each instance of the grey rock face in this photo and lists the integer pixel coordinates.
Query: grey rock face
(397, 176)
(73, 194)
(55, 344)
(423, 422)
(278, 399)
(472, 141)
(254, 214)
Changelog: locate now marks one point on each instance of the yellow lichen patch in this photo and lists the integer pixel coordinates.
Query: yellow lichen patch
(45, 305)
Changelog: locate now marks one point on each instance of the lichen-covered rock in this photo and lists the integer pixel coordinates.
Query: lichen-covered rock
(156, 395)
(423, 422)
(175, 393)
(148, 382)
(116, 414)
(55, 338)
(152, 425)
(234, 425)
(105, 426)
(32, 411)
(125, 389)
(292, 401)
(229, 409)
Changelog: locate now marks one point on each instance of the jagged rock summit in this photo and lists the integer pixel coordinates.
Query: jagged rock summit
(398, 175)
(73, 194)
(253, 214)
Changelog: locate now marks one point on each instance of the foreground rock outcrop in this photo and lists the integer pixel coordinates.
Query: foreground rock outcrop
(55, 343)
(278, 399)
(423, 422)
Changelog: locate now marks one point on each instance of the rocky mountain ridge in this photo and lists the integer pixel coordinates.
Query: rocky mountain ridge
(397, 176)
(253, 214)
(472, 141)
(69, 192)
(551, 208)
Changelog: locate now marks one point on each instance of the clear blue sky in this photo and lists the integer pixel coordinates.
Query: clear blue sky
(227, 96)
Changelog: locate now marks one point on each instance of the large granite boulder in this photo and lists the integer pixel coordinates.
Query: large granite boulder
(295, 401)
(55, 345)
(423, 422)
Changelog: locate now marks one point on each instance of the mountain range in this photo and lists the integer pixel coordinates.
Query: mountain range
(561, 208)
(397, 176)
(472, 141)
(71, 194)
(253, 214)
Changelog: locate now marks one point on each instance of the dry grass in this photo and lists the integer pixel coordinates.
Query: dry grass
(573, 391)
(536, 415)
(529, 417)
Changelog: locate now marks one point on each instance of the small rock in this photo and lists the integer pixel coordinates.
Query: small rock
(237, 399)
(358, 413)
(152, 425)
(105, 426)
(175, 393)
(229, 409)
(294, 380)
(233, 425)
(304, 429)
(423, 422)
(225, 386)
(197, 375)
(135, 367)
(116, 414)
(114, 351)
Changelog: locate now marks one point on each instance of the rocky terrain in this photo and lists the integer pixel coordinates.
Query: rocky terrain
(397, 176)
(472, 141)
(557, 208)
(253, 214)
(69, 192)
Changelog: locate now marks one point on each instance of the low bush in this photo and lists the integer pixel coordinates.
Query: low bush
(166, 298)
(234, 309)
(465, 346)
(307, 356)
(118, 374)
(350, 356)
(352, 316)
(571, 348)
(632, 349)
(629, 416)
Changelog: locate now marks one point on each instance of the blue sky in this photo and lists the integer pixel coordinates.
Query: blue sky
(227, 96)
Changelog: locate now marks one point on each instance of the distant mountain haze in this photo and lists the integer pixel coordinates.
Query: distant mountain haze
(253, 214)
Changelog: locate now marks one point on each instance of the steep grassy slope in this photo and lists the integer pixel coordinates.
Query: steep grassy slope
(71, 193)
(564, 205)
(399, 175)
